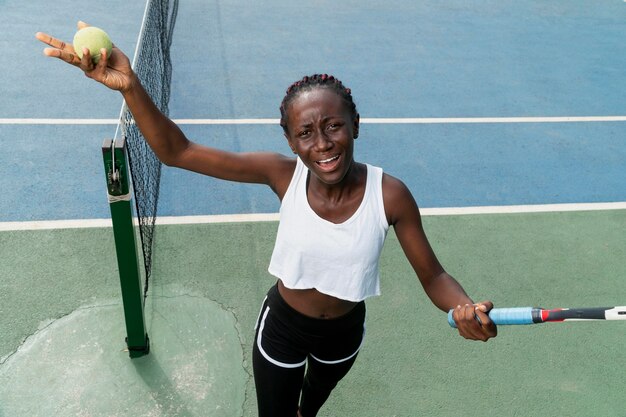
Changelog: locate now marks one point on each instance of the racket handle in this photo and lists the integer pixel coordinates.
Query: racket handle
(504, 316)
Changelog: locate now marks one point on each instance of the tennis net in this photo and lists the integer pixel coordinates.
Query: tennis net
(153, 66)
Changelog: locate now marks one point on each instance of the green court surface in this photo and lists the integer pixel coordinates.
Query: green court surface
(62, 331)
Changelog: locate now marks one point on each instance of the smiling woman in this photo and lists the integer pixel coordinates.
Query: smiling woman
(321, 131)
(334, 217)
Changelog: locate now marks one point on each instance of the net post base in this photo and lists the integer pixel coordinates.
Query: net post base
(139, 351)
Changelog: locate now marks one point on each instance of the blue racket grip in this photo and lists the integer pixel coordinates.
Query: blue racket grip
(505, 316)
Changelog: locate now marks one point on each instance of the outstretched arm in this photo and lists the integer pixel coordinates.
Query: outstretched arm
(165, 138)
(443, 290)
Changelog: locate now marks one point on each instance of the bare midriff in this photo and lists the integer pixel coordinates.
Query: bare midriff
(313, 303)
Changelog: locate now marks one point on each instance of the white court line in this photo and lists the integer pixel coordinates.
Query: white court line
(488, 120)
(59, 121)
(365, 120)
(521, 209)
(271, 217)
(421, 120)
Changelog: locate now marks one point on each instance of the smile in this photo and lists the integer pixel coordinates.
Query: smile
(331, 159)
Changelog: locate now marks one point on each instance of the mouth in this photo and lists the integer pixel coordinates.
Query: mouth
(328, 163)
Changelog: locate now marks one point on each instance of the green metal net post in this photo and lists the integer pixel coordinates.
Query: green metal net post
(116, 170)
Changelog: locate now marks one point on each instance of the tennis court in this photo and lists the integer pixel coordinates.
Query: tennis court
(506, 119)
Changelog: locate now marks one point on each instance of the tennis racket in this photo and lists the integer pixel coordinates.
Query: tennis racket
(535, 315)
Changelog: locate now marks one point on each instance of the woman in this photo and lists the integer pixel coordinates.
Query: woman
(334, 216)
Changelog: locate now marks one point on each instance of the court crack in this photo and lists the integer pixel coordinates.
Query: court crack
(242, 344)
(49, 322)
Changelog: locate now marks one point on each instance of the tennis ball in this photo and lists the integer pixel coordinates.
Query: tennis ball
(93, 39)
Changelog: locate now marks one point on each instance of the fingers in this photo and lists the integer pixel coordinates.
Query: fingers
(482, 310)
(52, 41)
(69, 57)
(101, 72)
(485, 306)
(92, 70)
(59, 49)
(473, 322)
(113, 68)
(104, 57)
(103, 62)
(86, 62)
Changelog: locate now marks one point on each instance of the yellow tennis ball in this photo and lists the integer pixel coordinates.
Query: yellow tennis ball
(93, 39)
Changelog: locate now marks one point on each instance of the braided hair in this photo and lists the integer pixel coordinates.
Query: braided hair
(310, 82)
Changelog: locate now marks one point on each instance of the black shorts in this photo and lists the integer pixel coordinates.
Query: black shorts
(286, 341)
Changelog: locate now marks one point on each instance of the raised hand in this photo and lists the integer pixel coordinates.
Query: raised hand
(113, 71)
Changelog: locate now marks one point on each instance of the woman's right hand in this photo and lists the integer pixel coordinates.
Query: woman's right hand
(113, 71)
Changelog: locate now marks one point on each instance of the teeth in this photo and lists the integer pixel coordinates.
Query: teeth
(328, 160)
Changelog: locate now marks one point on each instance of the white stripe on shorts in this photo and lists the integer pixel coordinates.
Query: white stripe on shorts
(265, 355)
(256, 324)
(344, 359)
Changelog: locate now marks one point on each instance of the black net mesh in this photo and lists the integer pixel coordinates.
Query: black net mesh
(153, 66)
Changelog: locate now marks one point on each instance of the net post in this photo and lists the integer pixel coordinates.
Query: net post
(124, 234)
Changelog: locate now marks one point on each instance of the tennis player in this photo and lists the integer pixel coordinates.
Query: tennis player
(334, 217)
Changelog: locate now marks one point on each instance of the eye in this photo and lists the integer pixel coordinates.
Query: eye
(333, 126)
(304, 133)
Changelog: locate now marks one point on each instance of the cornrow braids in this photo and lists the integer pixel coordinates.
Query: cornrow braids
(310, 82)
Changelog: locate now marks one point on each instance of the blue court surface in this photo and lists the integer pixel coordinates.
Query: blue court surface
(506, 119)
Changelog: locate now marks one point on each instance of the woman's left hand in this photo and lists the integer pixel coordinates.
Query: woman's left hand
(473, 322)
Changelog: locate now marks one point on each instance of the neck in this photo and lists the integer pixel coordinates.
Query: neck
(335, 192)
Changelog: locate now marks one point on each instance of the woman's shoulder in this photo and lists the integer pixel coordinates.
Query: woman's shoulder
(282, 169)
(397, 198)
(392, 187)
(393, 184)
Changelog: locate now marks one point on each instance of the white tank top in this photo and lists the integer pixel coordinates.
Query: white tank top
(340, 260)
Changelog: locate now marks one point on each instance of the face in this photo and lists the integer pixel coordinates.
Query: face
(321, 131)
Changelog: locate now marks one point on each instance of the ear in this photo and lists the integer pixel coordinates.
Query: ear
(355, 127)
(293, 149)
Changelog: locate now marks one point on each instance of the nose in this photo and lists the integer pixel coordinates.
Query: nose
(322, 141)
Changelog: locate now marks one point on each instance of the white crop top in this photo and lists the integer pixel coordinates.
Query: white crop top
(340, 260)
